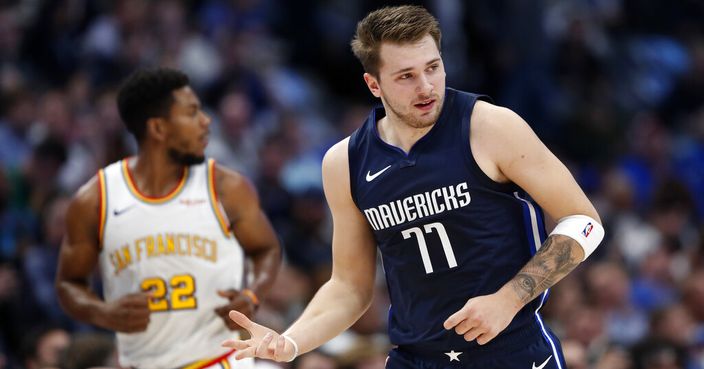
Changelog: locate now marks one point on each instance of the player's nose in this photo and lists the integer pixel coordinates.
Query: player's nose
(424, 86)
(205, 119)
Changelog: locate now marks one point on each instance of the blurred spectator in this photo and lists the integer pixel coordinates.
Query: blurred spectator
(315, 360)
(674, 323)
(693, 295)
(12, 327)
(658, 354)
(586, 326)
(610, 291)
(40, 262)
(615, 357)
(275, 199)
(90, 350)
(44, 348)
(17, 116)
(16, 220)
(565, 297)
(575, 355)
(237, 134)
(286, 299)
(365, 353)
(306, 240)
(39, 177)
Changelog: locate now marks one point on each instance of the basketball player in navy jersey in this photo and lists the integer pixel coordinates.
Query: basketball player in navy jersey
(450, 188)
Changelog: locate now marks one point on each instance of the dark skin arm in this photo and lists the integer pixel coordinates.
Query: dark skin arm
(254, 232)
(77, 261)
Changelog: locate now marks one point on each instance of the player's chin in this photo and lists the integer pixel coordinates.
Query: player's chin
(193, 158)
(424, 121)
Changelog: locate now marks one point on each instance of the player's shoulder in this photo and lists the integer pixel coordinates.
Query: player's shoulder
(486, 113)
(493, 121)
(227, 179)
(337, 155)
(87, 198)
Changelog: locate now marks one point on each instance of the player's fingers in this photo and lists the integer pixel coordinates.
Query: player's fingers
(279, 351)
(137, 299)
(137, 326)
(453, 320)
(139, 312)
(472, 334)
(271, 348)
(263, 346)
(465, 325)
(245, 353)
(227, 293)
(138, 316)
(484, 338)
(139, 323)
(235, 344)
(242, 320)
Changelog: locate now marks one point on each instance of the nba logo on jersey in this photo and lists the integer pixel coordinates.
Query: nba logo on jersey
(587, 230)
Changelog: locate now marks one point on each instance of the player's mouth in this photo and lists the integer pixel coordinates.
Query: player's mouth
(425, 105)
(204, 139)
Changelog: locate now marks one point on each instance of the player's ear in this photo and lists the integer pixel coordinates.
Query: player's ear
(373, 84)
(156, 128)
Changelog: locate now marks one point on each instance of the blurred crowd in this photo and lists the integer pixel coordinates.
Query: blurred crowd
(614, 87)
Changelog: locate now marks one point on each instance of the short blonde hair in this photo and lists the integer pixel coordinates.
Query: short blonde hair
(398, 24)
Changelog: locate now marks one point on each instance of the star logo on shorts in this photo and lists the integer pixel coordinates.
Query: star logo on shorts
(454, 356)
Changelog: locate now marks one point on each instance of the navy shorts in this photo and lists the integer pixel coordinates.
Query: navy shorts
(537, 353)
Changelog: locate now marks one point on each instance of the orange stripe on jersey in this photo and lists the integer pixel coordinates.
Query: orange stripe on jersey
(214, 203)
(222, 359)
(225, 364)
(127, 176)
(103, 205)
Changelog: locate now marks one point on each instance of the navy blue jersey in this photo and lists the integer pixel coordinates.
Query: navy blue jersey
(445, 230)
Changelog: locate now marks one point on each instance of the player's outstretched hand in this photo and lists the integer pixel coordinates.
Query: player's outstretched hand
(482, 318)
(264, 342)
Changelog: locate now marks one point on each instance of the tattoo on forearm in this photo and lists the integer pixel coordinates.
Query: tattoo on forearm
(553, 261)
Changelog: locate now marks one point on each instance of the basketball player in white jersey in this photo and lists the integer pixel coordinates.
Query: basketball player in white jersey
(171, 233)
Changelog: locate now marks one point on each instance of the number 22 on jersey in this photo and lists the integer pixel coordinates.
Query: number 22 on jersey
(182, 287)
(423, 246)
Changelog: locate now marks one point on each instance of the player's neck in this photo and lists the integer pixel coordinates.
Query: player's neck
(399, 134)
(154, 173)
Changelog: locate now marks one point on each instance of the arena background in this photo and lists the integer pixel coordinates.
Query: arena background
(614, 87)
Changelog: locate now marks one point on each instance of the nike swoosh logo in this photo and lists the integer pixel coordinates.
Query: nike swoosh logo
(543, 364)
(121, 211)
(370, 176)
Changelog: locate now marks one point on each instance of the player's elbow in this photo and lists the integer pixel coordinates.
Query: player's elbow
(359, 292)
(63, 295)
(365, 294)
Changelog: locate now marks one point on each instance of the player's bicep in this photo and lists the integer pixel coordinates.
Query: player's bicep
(526, 161)
(354, 250)
(80, 246)
(248, 221)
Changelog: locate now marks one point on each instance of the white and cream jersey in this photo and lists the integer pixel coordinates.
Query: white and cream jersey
(178, 247)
